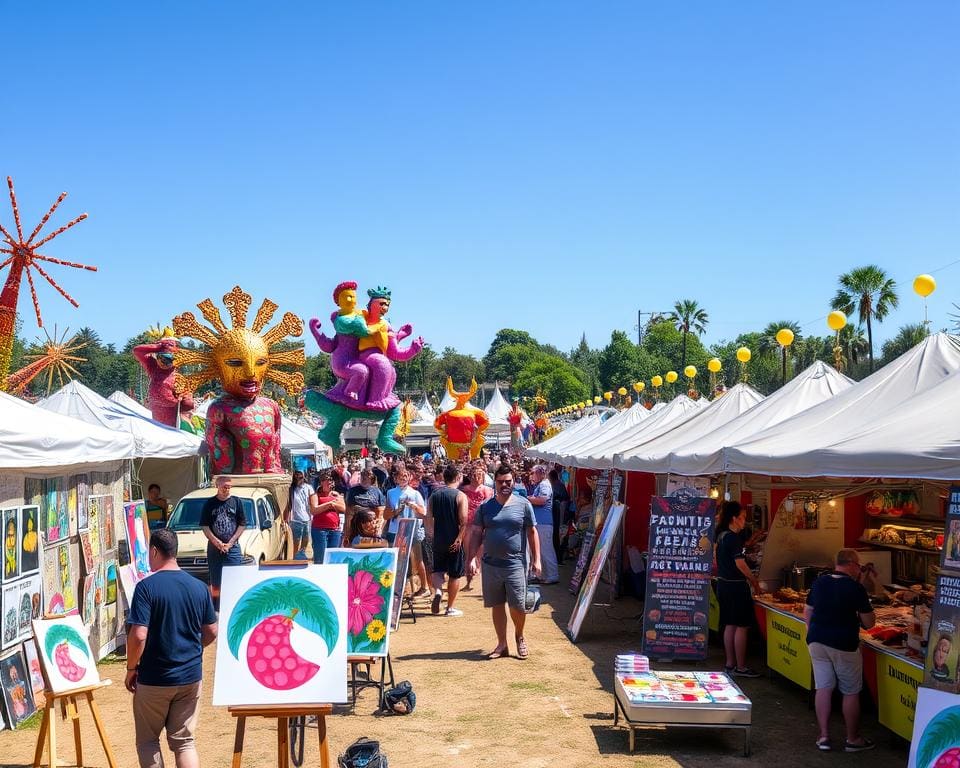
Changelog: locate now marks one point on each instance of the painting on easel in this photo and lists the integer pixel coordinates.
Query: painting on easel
(17, 693)
(283, 636)
(369, 595)
(65, 653)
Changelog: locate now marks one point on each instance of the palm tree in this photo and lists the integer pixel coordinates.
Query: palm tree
(871, 293)
(768, 344)
(907, 337)
(687, 315)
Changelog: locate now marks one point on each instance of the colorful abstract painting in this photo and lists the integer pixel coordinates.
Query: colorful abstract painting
(111, 576)
(56, 519)
(372, 573)
(17, 693)
(59, 580)
(11, 544)
(138, 535)
(65, 653)
(283, 636)
(29, 540)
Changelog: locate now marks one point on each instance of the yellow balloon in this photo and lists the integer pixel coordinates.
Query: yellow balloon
(581, 405)
(714, 365)
(924, 285)
(784, 337)
(690, 371)
(638, 386)
(596, 399)
(836, 320)
(671, 377)
(743, 355)
(608, 396)
(622, 391)
(657, 381)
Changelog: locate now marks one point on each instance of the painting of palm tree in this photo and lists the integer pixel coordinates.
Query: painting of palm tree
(687, 316)
(871, 293)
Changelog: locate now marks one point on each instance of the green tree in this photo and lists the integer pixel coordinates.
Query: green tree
(559, 381)
(619, 363)
(907, 337)
(868, 291)
(688, 316)
(461, 368)
(501, 360)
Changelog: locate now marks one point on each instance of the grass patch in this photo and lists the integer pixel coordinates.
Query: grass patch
(522, 685)
(117, 657)
(473, 717)
(32, 723)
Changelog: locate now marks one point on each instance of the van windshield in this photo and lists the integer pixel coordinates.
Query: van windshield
(186, 517)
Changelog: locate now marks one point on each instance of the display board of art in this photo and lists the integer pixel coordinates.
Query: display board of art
(583, 560)
(679, 566)
(283, 636)
(29, 540)
(370, 586)
(35, 672)
(17, 694)
(608, 534)
(65, 653)
(936, 730)
(138, 535)
(60, 580)
(406, 534)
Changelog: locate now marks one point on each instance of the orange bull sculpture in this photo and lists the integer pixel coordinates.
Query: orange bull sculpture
(463, 428)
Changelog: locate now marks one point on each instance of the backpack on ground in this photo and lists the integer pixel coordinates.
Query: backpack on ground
(363, 753)
(400, 699)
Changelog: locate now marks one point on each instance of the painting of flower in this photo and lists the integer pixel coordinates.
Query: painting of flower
(370, 585)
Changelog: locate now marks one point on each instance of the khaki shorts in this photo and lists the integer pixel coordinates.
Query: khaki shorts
(836, 669)
(175, 708)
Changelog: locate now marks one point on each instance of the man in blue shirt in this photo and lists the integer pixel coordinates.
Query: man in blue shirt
(171, 621)
(541, 497)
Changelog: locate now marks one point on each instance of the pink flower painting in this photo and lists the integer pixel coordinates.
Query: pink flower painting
(363, 601)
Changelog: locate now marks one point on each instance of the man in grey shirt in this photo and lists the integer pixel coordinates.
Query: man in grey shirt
(503, 530)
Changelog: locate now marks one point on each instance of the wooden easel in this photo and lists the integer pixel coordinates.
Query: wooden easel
(282, 713)
(69, 708)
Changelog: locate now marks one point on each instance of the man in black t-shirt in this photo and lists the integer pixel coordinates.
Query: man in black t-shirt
(171, 621)
(837, 607)
(222, 521)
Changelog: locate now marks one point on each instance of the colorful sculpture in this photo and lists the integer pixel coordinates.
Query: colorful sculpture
(515, 419)
(167, 398)
(362, 353)
(463, 428)
(243, 428)
(55, 358)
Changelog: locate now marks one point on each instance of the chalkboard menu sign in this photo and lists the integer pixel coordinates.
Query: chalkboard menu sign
(679, 565)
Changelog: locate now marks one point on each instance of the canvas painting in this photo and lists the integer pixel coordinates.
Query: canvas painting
(94, 523)
(30, 603)
(29, 540)
(406, 535)
(83, 492)
(86, 549)
(34, 672)
(138, 535)
(129, 578)
(107, 628)
(610, 528)
(72, 506)
(56, 519)
(65, 653)
(372, 573)
(11, 614)
(99, 584)
(17, 695)
(59, 581)
(283, 636)
(111, 581)
(108, 522)
(88, 612)
(11, 544)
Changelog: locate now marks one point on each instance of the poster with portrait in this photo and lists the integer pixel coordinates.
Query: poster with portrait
(60, 580)
(11, 544)
(30, 603)
(34, 672)
(10, 626)
(29, 540)
(943, 647)
(56, 518)
(17, 693)
(138, 535)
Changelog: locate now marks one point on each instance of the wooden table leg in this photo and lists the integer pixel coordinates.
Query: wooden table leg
(74, 712)
(98, 721)
(324, 744)
(238, 742)
(41, 737)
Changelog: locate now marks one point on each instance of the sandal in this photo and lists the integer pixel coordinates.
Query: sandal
(499, 653)
(522, 652)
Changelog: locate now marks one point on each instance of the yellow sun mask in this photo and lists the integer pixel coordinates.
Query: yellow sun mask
(240, 357)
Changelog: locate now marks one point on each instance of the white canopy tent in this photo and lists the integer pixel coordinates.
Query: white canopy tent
(703, 454)
(448, 403)
(130, 404)
(673, 415)
(40, 442)
(650, 456)
(548, 449)
(621, 422)
(788, 447)
(920, 439)
(170, 457)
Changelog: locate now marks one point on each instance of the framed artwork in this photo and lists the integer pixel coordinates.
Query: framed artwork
(29, 540)
(406, 535)
(107, 628)
(59, 580)
(17, 694)
(94, 524)
(10, 600)
(129, 578)
(72, 505)
(111, 577)
(11, 544)
(88, 612)
(108, 536)
(65, 654)
(86, 549)
(99, 584)
(138, 535)
(31, 604)
(83, 516)
(35, 672)
(284, 636)
(56, 519)
(371, 577)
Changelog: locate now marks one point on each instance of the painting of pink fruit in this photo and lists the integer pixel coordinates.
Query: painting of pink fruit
(65, 653)
(275, 617)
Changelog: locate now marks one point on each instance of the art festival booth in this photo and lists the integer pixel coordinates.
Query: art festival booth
(63, 486)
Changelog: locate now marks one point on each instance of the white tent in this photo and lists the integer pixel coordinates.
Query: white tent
(170, 456)
(38, 441)
(425, 412)
(650, 456)
(447, 403)
(703, 455)
(920, 439)
(601, 456)
(548, 449)
(785, 448)
(498, 408)
(619, 423)
(130, 404)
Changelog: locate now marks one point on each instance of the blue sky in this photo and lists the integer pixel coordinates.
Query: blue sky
(551, 166)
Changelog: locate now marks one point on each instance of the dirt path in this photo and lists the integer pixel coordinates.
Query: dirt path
(553, 709)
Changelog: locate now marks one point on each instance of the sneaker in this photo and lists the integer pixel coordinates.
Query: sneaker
(421, 593)
(435, 604)
(862, 747)
(746, 672)
(728, 670)
(453, 612)
(824, 745)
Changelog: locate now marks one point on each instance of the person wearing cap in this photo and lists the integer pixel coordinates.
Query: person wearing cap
(541, 497)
